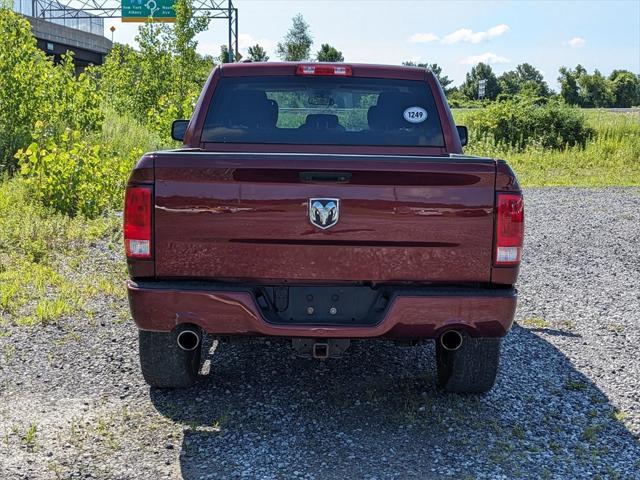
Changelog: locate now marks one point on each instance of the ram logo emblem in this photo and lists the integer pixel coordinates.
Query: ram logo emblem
(324, 212)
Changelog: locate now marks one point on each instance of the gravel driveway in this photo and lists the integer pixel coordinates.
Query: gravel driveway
(566, 404)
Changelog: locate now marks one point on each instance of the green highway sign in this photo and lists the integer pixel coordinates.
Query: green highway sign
(141, 10)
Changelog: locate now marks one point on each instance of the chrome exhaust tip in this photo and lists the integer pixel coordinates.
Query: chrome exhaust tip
(188, 339)
(451, 340)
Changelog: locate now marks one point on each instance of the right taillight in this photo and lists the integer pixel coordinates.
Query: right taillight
(137, 222)
(509, 229)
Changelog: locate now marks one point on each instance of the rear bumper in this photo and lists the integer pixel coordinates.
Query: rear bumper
(228, 311)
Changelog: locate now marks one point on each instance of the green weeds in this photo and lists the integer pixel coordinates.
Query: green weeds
(41, 278)
(575, 385)
(535, 322)
(611, 157)
(29, 437)
(590, 433)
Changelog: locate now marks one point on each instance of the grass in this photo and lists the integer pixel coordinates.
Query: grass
(590, 433)
(48, 268)
(611, 158)
(535, 322)
(618, 415)
(125, 134)
(575, 385)
(615, 327)
(29, 437)
(38, 282)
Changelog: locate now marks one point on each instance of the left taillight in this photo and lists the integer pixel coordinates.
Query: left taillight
(137, 221)
(509, 229)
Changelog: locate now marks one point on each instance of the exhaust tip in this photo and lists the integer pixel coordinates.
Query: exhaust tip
(451, 340)
(188, 340)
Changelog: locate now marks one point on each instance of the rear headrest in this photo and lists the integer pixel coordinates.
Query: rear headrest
(271, 118)
(373, 118)
(251, 98)
(322, 121)
(254, 109)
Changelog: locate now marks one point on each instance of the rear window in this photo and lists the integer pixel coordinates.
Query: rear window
(323, 111)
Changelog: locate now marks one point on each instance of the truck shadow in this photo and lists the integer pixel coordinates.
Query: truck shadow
(263, 413)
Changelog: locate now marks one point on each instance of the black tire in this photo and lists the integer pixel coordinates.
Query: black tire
(470, 369)
(164, 364)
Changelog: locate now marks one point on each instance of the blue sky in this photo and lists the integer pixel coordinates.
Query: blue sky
(454, 34)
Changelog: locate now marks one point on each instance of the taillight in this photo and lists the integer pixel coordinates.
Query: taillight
(324, 70)
(137, 222)
(509, 228)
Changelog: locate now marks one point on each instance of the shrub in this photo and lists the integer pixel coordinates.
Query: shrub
(74, 177)
(609, 158)
(520, 122)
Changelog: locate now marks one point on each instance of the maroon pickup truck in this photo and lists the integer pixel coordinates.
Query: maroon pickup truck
(322, 203)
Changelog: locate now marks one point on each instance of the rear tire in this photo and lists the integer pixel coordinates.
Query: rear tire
(164, 364)
(470, 369)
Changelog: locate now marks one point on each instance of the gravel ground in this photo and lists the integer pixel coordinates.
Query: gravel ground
(566, 404)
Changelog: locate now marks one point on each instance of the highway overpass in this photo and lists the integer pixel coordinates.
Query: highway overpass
(83, 36)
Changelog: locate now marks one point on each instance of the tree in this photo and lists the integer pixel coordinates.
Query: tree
(509, 83)
(568, 81)
(578, 87)
(595, 90)
(625, 88)
(258, 54)
(528, 74)
(296, 45)
(436, 70)
(185, 29)
(525, 79)
(224, 54)
(481, 71)
(327, 53)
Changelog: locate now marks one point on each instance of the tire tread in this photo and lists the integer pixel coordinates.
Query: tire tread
(470, 369)
(164, 364)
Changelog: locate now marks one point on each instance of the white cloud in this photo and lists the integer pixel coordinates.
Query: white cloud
(423, 37)
(576, 42)
(469, 36)
(488, 57)
(208, 48)
(246, 40)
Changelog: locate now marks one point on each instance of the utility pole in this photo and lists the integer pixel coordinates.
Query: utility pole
(230, 16)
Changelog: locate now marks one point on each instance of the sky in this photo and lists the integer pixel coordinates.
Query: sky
(454, 34)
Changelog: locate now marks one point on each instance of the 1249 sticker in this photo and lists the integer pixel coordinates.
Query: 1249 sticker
(415, 114)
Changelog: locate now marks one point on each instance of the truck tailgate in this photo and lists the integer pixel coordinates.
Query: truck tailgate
(245, 217)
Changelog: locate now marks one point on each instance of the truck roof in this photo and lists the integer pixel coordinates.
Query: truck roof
(244, 69)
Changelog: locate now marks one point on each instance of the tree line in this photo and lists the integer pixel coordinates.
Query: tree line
(577, 87)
